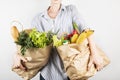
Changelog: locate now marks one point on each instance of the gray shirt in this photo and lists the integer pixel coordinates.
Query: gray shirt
(54, 70)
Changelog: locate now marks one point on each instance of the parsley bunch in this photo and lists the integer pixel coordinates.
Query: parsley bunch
(24, 41)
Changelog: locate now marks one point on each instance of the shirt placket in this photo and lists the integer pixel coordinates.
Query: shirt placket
(53, 25)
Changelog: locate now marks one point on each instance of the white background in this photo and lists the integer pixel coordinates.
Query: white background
(101, 15)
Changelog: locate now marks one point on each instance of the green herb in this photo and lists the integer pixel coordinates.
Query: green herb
(24, 41)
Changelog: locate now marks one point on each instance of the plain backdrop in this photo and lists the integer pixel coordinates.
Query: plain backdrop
(102, 15)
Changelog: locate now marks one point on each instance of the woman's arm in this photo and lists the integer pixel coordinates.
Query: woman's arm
(94, 58)
(92, 45)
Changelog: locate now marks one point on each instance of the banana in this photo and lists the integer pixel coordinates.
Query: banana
(89, 32)
(74, 38)
(84, 35)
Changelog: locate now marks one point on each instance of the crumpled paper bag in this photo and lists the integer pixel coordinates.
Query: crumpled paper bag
(38, 58)
(75, 58)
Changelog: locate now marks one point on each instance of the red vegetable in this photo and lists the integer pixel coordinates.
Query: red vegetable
(67, 37)
(74, 32)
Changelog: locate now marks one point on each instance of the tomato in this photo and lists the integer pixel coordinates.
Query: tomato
(74, 32)
(70, 35)
(67, 37)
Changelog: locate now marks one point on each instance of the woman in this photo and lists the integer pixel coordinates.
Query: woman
(58, 17)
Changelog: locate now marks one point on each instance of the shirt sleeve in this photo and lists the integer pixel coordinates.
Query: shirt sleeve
(77, 18)
(36, 23)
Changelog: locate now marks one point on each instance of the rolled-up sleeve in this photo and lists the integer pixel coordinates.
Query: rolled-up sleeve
(77, 18)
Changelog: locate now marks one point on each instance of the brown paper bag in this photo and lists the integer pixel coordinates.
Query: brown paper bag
(75, 59)
(38, 59)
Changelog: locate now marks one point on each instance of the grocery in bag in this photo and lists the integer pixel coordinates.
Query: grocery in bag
(36, 47)
(74, 52)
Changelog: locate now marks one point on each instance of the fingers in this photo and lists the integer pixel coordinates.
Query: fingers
(23, 59)
(22, 67)
(18, 62)
(28, 58)
(99, 67)
(98, 61)
(15, 66)
(19, 67)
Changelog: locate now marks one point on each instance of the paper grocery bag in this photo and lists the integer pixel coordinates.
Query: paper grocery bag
(75, 58)
(38, 59)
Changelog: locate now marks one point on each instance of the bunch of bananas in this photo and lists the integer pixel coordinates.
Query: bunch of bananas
(79, 38)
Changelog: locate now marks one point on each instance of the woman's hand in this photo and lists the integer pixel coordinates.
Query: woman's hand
(97, 61)
(17, 61)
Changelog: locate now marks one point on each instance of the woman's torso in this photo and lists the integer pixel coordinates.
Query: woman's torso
(54, 70)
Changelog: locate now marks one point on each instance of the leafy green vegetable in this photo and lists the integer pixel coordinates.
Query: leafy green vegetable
(24, 41)
(75, 26)
(40, 39)
(56, 42)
